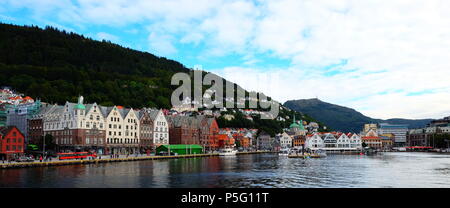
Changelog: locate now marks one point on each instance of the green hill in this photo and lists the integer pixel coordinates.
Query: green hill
(342, 118)
(57, 66)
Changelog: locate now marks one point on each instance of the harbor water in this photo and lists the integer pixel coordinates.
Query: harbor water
(389, 169)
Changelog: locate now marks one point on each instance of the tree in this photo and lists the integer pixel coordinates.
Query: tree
(364, 145)
(49, 143)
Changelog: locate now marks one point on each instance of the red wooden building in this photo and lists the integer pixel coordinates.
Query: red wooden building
(225, 141)
(12, 142)
(208, 133)
(183, 130)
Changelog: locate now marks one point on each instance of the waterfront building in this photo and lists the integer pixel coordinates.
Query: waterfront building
(18, 115)
(355, 141)
(285, 140)
(314, 141)
(387, 141)
(36, 124)
(245, 142)
(179, 149)
(122, 128)
(329, 141)
(12, 142)
(343, 141)
(209, 129)
(334, 141)
(298, 141)
(183, 130)
(399, 130)
(160, 128)
(145, 131)
(265, 141)
(371, 139)
(75, 126)
(225, 141)
(425, 136)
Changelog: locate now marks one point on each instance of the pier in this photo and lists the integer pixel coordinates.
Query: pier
(108, 160)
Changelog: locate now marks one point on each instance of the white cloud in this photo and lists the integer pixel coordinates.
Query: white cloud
(161, 44)
(391, 48)
(107, 36)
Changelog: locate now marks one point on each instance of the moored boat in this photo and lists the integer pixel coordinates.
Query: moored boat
(284, 152)
(305, 155)
(227, 152)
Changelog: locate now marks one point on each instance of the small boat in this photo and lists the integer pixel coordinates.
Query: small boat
(319, 153)
(227, 152)
(284, 152)
(306, 155)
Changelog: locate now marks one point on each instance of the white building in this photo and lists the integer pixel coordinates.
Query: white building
(333, 142)
(122, 130)
(75, 126)
(285, 140)
(160, 128)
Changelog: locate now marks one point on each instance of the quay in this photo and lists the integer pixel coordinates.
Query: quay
(107, 160)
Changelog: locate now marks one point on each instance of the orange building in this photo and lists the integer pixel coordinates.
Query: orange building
(371, 139)
(245, 142)
(299, 141)
(225, 141)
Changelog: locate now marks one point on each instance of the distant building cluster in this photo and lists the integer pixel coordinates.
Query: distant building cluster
(425, 136)
(10, 99)
(303, 135)
(113, 129)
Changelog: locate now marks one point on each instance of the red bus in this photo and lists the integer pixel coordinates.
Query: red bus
(75, 155)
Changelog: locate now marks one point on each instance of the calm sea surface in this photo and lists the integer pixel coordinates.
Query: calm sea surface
(259, 170)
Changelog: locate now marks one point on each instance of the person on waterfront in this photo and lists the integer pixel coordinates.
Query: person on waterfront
(40, 158)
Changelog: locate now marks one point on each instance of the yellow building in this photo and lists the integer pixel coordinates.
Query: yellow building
(387, 140)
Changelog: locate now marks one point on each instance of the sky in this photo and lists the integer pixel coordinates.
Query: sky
(386, 59)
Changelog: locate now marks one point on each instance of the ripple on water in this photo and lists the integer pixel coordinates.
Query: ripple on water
(262, 171)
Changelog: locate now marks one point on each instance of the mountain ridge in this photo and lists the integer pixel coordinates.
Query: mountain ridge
(342, 118)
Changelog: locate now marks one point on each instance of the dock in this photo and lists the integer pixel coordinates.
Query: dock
(109, 160)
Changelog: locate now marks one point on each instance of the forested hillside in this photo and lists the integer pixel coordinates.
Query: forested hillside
(57, 66)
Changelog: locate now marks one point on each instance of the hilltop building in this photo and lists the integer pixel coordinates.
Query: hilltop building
(297, 128)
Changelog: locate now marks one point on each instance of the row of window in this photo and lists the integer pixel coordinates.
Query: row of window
(121, 141)
(94, 140)
(19, 140)
(64, 141)
(113, 133)
(14, 147)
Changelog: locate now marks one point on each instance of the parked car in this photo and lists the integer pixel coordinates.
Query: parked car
(162, 153)
(24, 159)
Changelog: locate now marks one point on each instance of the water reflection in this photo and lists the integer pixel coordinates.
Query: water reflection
(264, 170)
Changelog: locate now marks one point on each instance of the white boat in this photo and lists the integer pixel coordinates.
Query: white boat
(227, 152)
(284, 152)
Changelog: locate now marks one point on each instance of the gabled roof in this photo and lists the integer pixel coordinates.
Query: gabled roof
(6, 129)
(106, 110)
